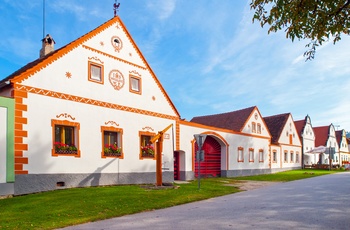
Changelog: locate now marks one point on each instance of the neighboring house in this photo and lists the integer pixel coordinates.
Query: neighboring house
(342, 141)
(7, 176)
(307, 137)
(85, 113)
(237, 143)
(325, 136)
(285, 143)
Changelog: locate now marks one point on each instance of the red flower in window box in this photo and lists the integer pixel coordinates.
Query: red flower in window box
(64, 148)
(147, 150)
(112, 150)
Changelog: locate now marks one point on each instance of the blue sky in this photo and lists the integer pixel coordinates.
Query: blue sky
(208, 55)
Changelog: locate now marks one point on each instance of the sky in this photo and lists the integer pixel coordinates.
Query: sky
(208, 55)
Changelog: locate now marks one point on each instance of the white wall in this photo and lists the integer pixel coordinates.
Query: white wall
(3, 144)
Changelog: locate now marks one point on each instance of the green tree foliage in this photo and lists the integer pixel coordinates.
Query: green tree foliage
(315, 20)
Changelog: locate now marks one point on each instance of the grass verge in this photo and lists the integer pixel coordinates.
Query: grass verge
(60, 208)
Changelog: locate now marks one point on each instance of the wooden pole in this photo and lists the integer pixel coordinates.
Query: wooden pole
(159, 151)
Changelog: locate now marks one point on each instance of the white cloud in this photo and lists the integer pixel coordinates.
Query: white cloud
(164, 9)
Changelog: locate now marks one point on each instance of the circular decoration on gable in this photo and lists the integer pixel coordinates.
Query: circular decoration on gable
(117, 43)
(116, 79)
(256, 116)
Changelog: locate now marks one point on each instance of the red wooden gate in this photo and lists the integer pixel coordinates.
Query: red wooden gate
(176, 166)
(211, 166)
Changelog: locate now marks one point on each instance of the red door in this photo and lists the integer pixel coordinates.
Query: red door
(211, 166)
(176, 166)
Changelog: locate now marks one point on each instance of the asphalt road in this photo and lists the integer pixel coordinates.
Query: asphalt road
(315, 203)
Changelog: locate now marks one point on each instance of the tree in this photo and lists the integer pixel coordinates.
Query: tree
(315, 20)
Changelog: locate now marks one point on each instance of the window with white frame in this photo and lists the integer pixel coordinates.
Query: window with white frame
(240, 157)
(95, 72)
(251, 155)
(285, 156)
(291, 156)
(274, 156)
(135, 84)
(261, 155)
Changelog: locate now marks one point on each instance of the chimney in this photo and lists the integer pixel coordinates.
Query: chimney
(47, 45)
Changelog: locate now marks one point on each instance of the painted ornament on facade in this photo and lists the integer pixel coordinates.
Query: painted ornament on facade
(116, 43)
(116, 79)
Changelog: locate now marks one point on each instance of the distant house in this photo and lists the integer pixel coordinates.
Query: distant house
(307, 137)
(342, 141)
(325, 136)
(240, 138)
(285, 142)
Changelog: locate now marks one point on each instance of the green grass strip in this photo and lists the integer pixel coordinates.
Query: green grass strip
(60, 208)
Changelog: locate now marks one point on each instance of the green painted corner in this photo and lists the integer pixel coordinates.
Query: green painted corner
(9, 104)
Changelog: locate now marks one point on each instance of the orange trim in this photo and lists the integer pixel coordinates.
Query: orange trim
(19, 167)
(18, 126)
(21, 147)
(21, 133)
(21, 94)
(21, 107)
(112, 129)
(18, 172)
(21, 160)
(21, 120)
(69, 97)
(18, 153)
(193, 154)
(111, 56)
(177, 126)
(18, 113)
(18, 100)
(18, 139)
(76, 125)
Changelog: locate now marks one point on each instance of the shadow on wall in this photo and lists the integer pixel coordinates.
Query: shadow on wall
(94, 178)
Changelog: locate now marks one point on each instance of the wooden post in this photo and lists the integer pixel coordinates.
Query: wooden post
(159, 151)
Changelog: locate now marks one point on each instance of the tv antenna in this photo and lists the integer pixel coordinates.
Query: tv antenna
(116, 7)
(43, 18)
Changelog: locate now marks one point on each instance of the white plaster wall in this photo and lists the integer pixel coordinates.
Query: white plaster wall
(278, 163)
(258, 120)
(3, 143)
(42, 109)
(290, 129)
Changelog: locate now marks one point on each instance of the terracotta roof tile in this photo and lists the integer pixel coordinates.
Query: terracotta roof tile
(299, 125)
(275, 124)
(321, 134)
(234, 120)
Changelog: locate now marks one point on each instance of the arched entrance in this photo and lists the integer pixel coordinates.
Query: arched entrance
(211, 166)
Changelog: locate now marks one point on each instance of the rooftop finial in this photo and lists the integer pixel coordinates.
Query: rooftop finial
(116, 7)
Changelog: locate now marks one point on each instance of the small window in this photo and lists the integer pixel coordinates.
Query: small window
(274, 156)
(135, 84)
(291, 157)
(65, 138)
(259, 128)
(147, 149)
(253, 127)
(95, 72)
(285, 157)
(112, 142)
(240, 155)
(251, 155)
(261, 155)
(297, 157)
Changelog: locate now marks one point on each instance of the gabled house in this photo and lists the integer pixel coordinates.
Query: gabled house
(237, 143)
(307, 137)
(342, 141)
(325, 136)
(285, 142)
(84, 115)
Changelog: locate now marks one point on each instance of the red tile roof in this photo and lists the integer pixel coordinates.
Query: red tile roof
(321, 134)
(275, 124)
(234, 120)
(299, 125)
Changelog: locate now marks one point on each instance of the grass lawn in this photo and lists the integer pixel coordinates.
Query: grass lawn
(60, 208)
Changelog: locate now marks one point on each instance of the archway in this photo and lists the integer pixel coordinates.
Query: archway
(211, 166)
